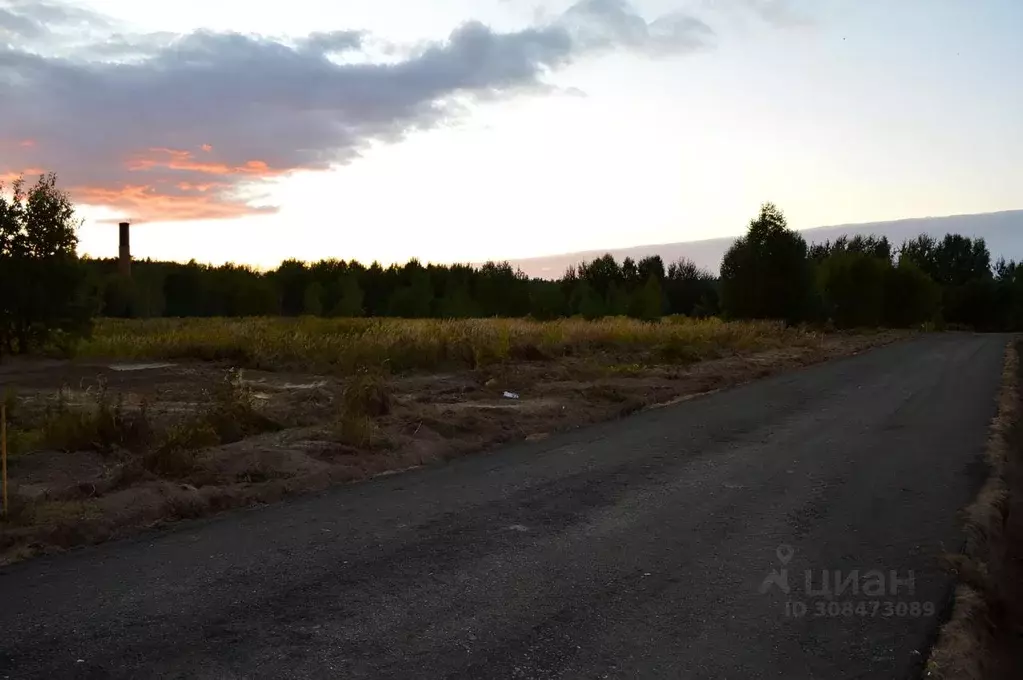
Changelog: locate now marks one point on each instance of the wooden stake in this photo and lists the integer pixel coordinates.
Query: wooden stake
(3, 451)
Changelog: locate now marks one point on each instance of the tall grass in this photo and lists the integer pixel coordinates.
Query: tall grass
(348, 345)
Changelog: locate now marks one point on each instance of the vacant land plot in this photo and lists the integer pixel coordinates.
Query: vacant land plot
(168, 419)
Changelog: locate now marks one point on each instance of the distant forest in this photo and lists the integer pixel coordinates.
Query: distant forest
(769, 273)
(48, 292)
(49, 295)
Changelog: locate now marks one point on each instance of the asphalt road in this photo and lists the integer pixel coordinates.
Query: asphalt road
(634, 549)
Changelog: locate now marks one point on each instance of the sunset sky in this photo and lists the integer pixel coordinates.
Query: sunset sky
(463, 130)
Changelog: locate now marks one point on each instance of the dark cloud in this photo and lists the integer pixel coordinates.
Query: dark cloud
(14, 25)
(187, 127)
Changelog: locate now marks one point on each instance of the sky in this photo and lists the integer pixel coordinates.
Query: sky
(467, 130)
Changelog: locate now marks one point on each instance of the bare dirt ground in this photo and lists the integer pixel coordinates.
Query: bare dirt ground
(61, 499)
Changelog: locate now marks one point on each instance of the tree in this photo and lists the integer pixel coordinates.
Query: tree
(960, 260)
(291, 279)
(312, 299)
(876, 246)
(647, 302)
(457, 304)
(601, 273)
(690, 290)
(766, 274)
(616, 303)
(350, 301)
(586, 301)
(628, 275)
(853, 284)
(651, 266)
(415, 298)
(546, 300)
(182, 290)
(120, 297)
(43, 287)
(911, 296)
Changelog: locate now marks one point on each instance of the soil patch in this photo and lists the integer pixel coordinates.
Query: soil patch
(291, 432)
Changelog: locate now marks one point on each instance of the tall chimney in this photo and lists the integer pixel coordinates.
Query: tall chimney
(124, 261)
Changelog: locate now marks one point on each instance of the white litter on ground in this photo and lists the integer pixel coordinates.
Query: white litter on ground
(137, 367)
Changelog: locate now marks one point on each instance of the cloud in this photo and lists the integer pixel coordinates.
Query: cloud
(164, 127)
(782, 13)
(610, 23)
(26, 22)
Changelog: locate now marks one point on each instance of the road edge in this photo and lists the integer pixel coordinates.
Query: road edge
(965, 648)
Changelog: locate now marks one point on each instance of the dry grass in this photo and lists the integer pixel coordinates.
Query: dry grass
(350, 345)
(345, 400)
(366, 398)
(968, 644)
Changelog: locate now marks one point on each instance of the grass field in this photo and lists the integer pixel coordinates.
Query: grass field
(164, 419)
(345, 345)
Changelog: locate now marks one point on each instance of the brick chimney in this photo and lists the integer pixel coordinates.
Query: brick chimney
(124, 259)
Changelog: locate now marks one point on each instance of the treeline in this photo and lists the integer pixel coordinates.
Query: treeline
(48, 295)
(770, 272)
(645, 289)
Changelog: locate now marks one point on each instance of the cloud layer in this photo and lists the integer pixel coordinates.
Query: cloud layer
(162, 127)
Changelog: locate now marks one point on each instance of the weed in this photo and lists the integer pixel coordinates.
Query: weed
(231, 414)
(99, 424)
(175, 456)
(349, 346)
(366, 397)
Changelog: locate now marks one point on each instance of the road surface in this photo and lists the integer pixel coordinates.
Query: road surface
(655, 546)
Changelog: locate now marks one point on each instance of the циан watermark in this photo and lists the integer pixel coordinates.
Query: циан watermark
(835, 593)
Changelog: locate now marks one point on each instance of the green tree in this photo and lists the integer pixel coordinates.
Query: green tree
(414, 299)
(911, 296)
(586, 301)
(350, 302)
(601, 273)
(649, 266)
(647, 302)
(546, 300)
(457, 304)
(853, 284)
(291, 279)
(312, 299)
(616, 303)
(766, 274)
(876, 246)
(690, 290)
(43, 286)
(121, 297)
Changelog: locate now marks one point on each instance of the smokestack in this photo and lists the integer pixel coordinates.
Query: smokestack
(124, 261)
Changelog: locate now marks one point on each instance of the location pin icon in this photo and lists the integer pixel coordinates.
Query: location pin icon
(785, 553)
